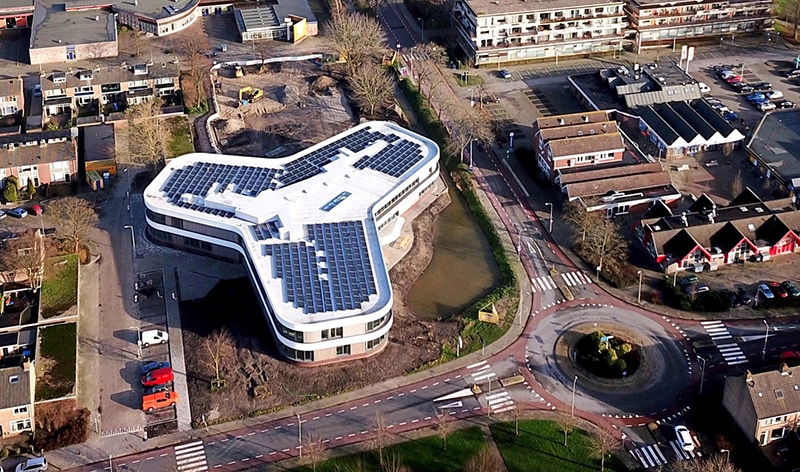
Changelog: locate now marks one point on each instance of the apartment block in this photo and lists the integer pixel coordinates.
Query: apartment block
(660, 22)
(493, 32)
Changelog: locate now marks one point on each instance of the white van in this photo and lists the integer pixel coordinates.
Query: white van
(153, 336)
(684, 438)
(704, 89)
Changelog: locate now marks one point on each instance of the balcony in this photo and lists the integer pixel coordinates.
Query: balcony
(702, 21)
(595, 39)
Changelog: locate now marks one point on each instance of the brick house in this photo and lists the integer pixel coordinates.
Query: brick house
(44, 157)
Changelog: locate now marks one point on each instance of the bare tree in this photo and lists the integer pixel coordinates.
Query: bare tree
(194, 44)
(427, 60)
(137, 38)
(218, 349)
(737, 185)
(394, 463)
(485, 460)
(470, 125)
(264, 50)
(371, 87)
(381, 438)
(601, 445)
(606, 242)
(147, 136)
(567, 425)
(357, 39)
(74, 218)
(715, 463)
(444, 427)
(575, 212)
(25, 254)
(313, 451)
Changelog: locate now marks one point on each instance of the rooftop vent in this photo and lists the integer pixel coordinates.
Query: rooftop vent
(743, 209)
(778, 393)
(758, 210)
(751, 227)
(140, 69)
(561, 121)
(585, 118)
(580, 132)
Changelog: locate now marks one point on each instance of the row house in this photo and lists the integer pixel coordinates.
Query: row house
(44, 157)
(576, 140)
(661, 22)
(706, 236)
(493, 32)
(765, 405)
(12, 97)
(106, 89)
(16, 396)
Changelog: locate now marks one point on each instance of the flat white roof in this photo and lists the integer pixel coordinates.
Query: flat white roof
(306, 220)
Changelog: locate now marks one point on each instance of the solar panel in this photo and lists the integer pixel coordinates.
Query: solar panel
(393, 160)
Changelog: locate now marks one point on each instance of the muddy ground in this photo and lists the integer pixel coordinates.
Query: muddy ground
(258, 380)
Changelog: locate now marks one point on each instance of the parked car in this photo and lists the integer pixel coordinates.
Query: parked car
(744, 296)
(717, 105)
(766, 291)
(746, 89)
(158, 376)
(723, 110)
(490, 99)
(732, 298)
(704, 88)
(766, 106)
(2, 214)
(730, 116)
(785, 104)
(156, 389)
(36, 210)
(684, 438)
(700, 288)
(688, 280)
(505, 74)
(153, 365)
(790, 355)
(153, 336)
(775, 95)
(778, 289)
(18, 213)
(791, 288)
(712, 101)
(35, 464)
(734, 79)
(762, 86)
(726, 74)
(793, 74)
(756, 96)
(159, 400)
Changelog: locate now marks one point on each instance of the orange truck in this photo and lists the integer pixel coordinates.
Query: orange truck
(159, 400)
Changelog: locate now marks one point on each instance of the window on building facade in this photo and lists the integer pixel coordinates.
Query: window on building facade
(343, 350)
(20, 425)
(332, 333)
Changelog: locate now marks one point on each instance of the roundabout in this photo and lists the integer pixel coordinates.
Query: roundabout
(653, 376)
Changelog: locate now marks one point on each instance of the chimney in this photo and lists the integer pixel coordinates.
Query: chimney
(603, 127)
(748, 377)
(26, 365)
(785, 369)
(711, 218)
(585, 118)
(561, 121)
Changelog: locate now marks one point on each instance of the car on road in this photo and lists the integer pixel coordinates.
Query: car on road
(778, 289)
(763, 86)
(156, 389)
(774, 95)
(35, 464)
(791, 288)
(766, 106)
(159, 400)
(158, 376)
(684, 438)
(489, 99)
(18, 212)
(37, 91)
(744, 296)
(785, 104)
(153, 336)
(730, 116)
(505, 74)
(762, 288)
(153, 365)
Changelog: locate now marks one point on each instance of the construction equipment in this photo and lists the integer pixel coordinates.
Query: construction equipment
(250, 95)
(239, 71)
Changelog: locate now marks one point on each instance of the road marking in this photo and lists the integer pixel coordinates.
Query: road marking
(315, 418)
(351, 435)
(477, 364)
(190, 457)
(337, 438)
(259, 456)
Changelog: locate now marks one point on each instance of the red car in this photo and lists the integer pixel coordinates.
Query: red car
(158, 376)
(735, 78)
(778, 290)
(35, 210)
(790, 355)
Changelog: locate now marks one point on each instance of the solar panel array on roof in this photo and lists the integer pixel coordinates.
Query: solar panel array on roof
(393, 160)
(339, 278)
(197, 179)
(205, 209)
(311, 164)
(268, 230)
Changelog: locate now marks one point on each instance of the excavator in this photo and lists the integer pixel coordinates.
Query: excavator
(250, 95)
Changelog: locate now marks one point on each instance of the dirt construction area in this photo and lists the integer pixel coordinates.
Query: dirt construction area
(301, 106)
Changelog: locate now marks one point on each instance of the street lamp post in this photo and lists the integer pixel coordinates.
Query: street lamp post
(766, 334)
(550, 226)
(639, 296)
(702, 373)
(727, 454)
(133, 239)
(422, 24)
(574, 383)
(299, 435)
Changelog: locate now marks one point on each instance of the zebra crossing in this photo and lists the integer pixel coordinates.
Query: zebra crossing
(721, 338)
(571, 279)
(498, 400)
(650, 455)
(191, 457)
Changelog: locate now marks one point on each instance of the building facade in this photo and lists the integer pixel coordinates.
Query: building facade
(766, 405)
(43, 158)
(16, 399)
(12, 97)
(492, 32)
(309, 229)
(660, 23)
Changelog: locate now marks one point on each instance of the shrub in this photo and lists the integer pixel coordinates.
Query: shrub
(60, 424)
(10, 192)
(31, 189)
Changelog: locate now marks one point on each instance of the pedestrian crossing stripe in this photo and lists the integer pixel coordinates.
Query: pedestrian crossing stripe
(571, 279)
(191, 457)
(650, 455)
(721, 337)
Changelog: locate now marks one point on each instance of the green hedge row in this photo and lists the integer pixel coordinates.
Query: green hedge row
(475, 333)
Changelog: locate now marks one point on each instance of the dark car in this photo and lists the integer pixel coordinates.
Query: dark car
(735, 302)
(791, 288)
(157, 388)
(744, 296)
(731, 116)
(746, 89)
(785, 104)
(762, 86)
(778, 289)
(150, 366)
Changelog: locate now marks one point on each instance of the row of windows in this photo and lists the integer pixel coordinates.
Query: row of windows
(373, 343)
(394, 199)
(20, 425)
(296, 336)
(298, 355)
(332, 333)
(373, 325)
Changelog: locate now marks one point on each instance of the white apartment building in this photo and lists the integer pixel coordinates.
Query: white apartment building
(493, 32)
(309, 228)
(662, 22)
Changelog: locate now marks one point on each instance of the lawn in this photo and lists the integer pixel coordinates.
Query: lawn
(540, 446)
(59, 285)
(56, 365)
(422, 455)
(181, 139)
